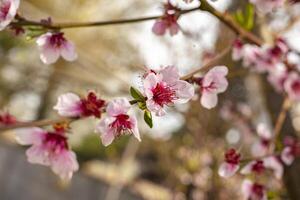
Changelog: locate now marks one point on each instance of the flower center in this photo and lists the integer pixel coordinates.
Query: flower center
(258, 167)
(57, 40)
(232, 157)
(92, 105)
(296, 86)
(55, 142)
(170, 19)
(163, 94)
(258, 190)
(295, 149)
(7, 119)
(4, 9)
(265, 142)
(121, 124)
(212, 86)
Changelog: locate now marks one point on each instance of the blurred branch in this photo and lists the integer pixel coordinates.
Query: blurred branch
(38, 123)
(230, 22)
(281, 117)
(21, 21)
(212, 62)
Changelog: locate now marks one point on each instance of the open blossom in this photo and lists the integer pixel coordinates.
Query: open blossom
(231, 164)
(290, 151)
(292, 86)
(261, 59)
(167, 22)
(54, 45)
(49, 149)
(278, 76)
(8, 10)
(262, 146)
(259, 166)
(164, 88)
(213, 83)
(117, 122)
(266, 6)
(71, 105)
(253, 191)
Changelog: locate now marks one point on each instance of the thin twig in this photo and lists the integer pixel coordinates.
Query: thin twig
(209, 64)
(68, 25)
(38, 123)
(231, 23)
(281, 117)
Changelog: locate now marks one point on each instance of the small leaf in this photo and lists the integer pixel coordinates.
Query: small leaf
(239, 17)
(142, 105)
(148, 118)
(246, 17)
(137, 95)
(249, 17)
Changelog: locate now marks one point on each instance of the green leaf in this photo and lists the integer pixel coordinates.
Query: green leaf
(249, 16)
(239, 17)
(148, 118)
(142, 105)
(246, 18)
(137, 95)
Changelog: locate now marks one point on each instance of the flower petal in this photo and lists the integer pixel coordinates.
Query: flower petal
(28, 136)
(227, 170)
(68, 105)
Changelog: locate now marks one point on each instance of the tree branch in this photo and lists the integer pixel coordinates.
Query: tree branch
(231, 23)
(212, 62)
(281, 117)
(56, 26)
(39, 123)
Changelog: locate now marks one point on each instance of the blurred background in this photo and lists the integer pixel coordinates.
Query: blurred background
(177, 159)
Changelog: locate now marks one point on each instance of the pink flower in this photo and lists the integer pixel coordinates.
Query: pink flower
(290, 151)
(167, 22)
(117, 122)
(292, 86)
(213, 83)
(71, 105)
(8, 11)
(278, 76)
(266, 6)
(251, 54)
(262, 146)
(164, 88)
(54, 45)
(253, 191)
(237, 51)
(262, 59)
(273, 163)
(49, 149)
(231, 164)
(256, 166)
(259, 166)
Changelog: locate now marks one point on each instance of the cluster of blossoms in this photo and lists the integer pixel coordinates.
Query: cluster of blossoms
(51, 44)
(117, 121)
(262, 162)
(160, 89)
(278, 61)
